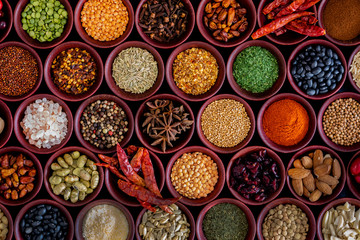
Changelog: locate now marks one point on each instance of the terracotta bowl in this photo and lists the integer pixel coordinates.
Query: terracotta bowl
(205, 32)
(236, 148)
(183, 208)
(350, 77)
(27, 207)
(288, 38)
(80, 217)
(249, 216)
(146, 140)
(218, 187)
(276, 86)
(333, 204)
(350, 180)
(174, 43)
(121, 104)
(49, 78)
(6, 115)
(312, 123)
(352, 42)
(8, 19)
(102, 44)
(219, 81)
(128, 95)
(275, 203)
(37, 183)
(324, 199)
(19, 116)
(38, 82)
(297, 50)
(245, 152)
(10, 220)
(322, 110)
(48, 173)
(33, 42)
(118, 195)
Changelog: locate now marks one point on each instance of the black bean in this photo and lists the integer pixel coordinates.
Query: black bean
(315, 85)
(309, 75)
(326, 68)
(42, 211)
(316, 58)
(321, 64)
(309, 83)
(318, 48)
(28, 230)
(321, 74)
(300, 70)
(293, 70)
(333, 86)
(39, 217)
(322, 84)
(36, 223)
(338, 77)
(305, 86)
(316, 71)
(314, 64)
(329, 52)
(328, 62)
(299, 84)
(307, 68)
(317, 91)
(311, 92)
(40, 237)
(327, 75)
(328, 82)
(303, 74)
(322, 54)
(301, 55)
(313, 54)
(296, 76)
(323, 88)
(323, 91)
(338, 62)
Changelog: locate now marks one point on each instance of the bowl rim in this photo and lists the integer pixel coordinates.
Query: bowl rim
(349, 177)
(246, 151)
(350, 77)
(49, 79)
(281, 63)
(9, 127)
(10, 220)
(220, 78)
(122, 93)
(11, 19)
(301, 47)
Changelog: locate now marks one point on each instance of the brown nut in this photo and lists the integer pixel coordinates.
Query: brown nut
(318, 158)
(226, 3)
(309, 183)
(322, 169)
(336, 169)
(307, 162)
(298, 173)
(330, 180)
(315, 195)
(230, 17)
(298, 187)
(298, 164)
(324, 188)
(208, 8)
(306, 192)
(222, 15)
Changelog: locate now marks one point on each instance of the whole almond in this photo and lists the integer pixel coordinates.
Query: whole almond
(318, 158)
(298, 173)
(309, 183)
(298, 186)
(322, 170)
(307, 162)
(315, 195)
(324, 188)
(298, 164)
(336, 169)
(328, 161)
(330, 180)
(306, 192)
(327, 156)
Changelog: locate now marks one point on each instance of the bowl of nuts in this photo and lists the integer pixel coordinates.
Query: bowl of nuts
(226, 23)
(6, 123)
(7, 225)
(316, 175)
(6, 20)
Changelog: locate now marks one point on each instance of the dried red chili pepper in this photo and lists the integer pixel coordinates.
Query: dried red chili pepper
(131, 150)
(112, 169)
(307, 4)
(272, 14)
(309, 19)
(147, 206)
(280, 31)
(110, 160)
(292, 7)
(305, 29)
(136, 160)
(273, 5)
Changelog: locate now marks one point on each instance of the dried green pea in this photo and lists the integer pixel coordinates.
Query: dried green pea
(86, 183)
(75, 154)
(82, 196)
(90, 164)
(74, 196)
(58, 189)
(84, 175)
(68, 159)
(88, 170)
(74, 165)
(94, 180)
(81, 161)
(55, 180)
(79, 186)
(62, 172)
(55, 166)
(71, 178)
(89, 190)
(67, 193)
(77, 171)
(62, 162)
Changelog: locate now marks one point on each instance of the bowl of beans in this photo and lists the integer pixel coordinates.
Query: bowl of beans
(255, 175)
(71, 178)
(353, 67)
(73, 71)
(236, 28)
(43, 123)
(104, 218)
(338, 122)
(316, 69)
(6, 224)
(102, 121)
(6, 123)
(16, 85)
(316, 175)
(38, 218)
(105, 30)
(6, 20)
(26, 176)
(222, 134)
(286, 122)
(134, 71)
(352, 175)
(286, 217)
(256, 70)
(177, 18)
(226, 218)
(186, 224)
(195, 71)
(43, 24)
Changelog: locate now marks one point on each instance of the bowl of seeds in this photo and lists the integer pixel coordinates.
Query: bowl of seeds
(134, 71)
(102, 121)
(6, 123)
(354, 69)
(6, 20)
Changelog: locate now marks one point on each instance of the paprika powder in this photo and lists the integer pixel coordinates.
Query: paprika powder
(286, 122)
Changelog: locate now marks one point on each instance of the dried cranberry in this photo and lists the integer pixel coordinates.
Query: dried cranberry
(2, 25)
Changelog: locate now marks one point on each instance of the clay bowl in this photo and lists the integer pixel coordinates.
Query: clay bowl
(324, 199)
(288, 38)
(146, 140)
(276, 86)
(118, 195)
(218, 187)
(121, 104)
(49, 78)
(236, 148)
(19, 115)
(297, 50)
(321, 131)
(128, 95)
(183, 208)
(245, 152)
(10, 220)
(350, 180)
(207, 34)
(353, 42)
(80, 217)
(350, 77)
(27, 207)
(312, 123)
(39, 176)
(299, 204)
(249, 216)
(102, 44)
(6, 115)
(219, 81)
(33, 42)
(38, 82)
(48, 173)
(8, 19)
(174, 43)
(333, 204)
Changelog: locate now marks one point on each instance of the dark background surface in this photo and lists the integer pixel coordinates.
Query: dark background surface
(195, 36)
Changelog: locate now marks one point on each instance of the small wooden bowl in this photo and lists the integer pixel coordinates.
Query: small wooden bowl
(350, 77)
(6, 115)
(8, 18)
(350, 180)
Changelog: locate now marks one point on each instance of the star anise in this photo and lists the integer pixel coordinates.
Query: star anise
(167, 127)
